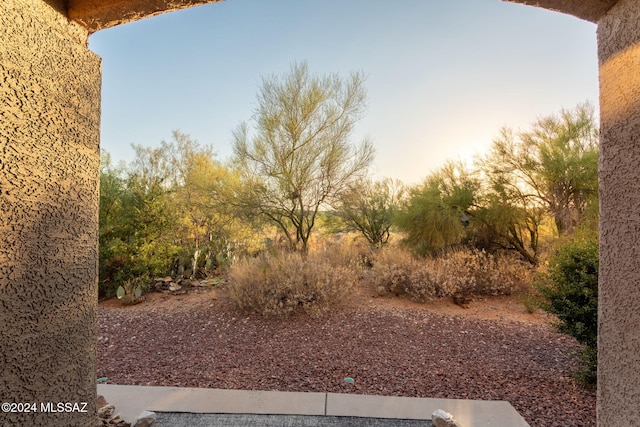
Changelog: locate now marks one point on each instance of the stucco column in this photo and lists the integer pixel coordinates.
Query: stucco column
(49, 162)
(619, 276)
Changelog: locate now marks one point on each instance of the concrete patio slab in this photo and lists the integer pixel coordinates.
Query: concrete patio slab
(130, 401)
(470, 413)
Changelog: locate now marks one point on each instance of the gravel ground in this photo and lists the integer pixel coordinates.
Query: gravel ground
(192, 341)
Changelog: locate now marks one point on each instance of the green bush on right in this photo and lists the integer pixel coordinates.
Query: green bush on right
(570, 291)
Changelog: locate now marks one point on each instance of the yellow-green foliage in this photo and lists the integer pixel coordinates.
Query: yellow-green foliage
(288, 283)
(466, 271)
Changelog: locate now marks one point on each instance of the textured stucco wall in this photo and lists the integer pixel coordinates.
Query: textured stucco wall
(591, 10)
(100, 14)
(619, 294)
(49, 161)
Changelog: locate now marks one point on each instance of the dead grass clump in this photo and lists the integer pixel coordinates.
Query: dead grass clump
(465, 271)
(286, 284)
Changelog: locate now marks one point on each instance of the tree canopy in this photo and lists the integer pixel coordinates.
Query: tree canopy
(369, 207)
(548, 173)
(553, 165)
(167, 210)
(435, 213)
(300, 156)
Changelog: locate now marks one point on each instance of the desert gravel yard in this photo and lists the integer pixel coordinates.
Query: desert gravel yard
(492, 351)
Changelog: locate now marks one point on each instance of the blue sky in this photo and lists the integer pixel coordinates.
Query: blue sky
(443, 75)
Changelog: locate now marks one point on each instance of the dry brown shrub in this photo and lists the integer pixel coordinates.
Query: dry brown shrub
(466, 271)
(474, 272)
(395, 271)
(287, 283)
(344, 251)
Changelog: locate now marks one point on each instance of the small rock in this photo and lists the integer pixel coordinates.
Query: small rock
(118, 422)
(102, 401)
(145, 419)
(106, 412)
(442, 418)
(461, 300)
(106, 417)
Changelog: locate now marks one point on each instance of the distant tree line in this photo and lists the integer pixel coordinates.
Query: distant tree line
(176, 209)
(543, 181)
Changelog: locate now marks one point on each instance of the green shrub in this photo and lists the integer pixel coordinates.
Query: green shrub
(122, 261)
(289, 283)
(570, 291)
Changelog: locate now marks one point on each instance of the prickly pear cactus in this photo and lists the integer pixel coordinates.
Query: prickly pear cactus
(129, 293)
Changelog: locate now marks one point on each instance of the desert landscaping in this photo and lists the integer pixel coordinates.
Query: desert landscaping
(492, 350)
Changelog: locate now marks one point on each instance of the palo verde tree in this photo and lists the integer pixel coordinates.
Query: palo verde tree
(554, 165)
(369, 207)
(504, 220)
(434, 215)
(300, 157)
(199, 189)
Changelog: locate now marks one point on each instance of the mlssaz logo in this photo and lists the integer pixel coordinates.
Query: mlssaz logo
(53, 407)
